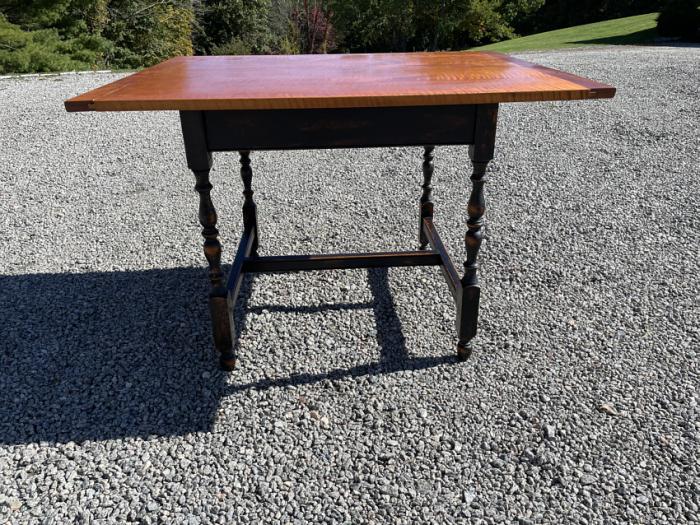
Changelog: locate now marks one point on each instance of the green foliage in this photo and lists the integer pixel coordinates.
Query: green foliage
(286, 34)
(55, 35)
(52, 35)
(373, 25)
(555, 14)
(35, 14)
(262, 26)
(680, 18)
(406, 25)
(71, 18)
(43, 50)
(640, 29)
(233, 25)
(236, 46)
(311, 26)
(484, 23)
(145, 33)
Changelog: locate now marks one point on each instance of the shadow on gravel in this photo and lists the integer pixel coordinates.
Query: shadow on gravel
(99, 356)
(393, 353)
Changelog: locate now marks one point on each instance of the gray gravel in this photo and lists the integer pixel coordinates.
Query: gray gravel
(579, 405)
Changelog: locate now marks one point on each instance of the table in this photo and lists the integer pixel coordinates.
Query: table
(246, 103)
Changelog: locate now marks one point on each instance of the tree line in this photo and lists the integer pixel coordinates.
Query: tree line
(53, 35)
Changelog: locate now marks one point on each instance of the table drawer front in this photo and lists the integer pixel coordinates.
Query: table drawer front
(339, 128)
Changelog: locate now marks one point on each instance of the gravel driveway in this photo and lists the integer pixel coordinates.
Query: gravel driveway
(579, 405)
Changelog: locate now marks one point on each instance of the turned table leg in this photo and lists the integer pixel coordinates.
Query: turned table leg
(250, 213)
(480, 153)
(218, 306)
(426, 203)
(199, 161)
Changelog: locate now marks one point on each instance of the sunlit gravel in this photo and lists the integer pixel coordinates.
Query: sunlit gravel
(579, 405)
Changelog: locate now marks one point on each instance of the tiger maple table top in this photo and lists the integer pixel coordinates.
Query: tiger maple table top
(336, 81)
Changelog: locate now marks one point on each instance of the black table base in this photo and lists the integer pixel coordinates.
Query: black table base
(243, 131)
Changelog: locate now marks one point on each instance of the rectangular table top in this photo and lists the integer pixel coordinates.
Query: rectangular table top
(336, 81)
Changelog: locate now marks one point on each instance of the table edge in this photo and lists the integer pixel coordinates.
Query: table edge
(73, 106)
(589, 89)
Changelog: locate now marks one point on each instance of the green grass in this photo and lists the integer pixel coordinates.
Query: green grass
(640, 29)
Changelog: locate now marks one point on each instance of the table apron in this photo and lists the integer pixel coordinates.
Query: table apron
(339, 128)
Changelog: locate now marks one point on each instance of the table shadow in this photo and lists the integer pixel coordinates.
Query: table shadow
(393, 355)
(107, 355)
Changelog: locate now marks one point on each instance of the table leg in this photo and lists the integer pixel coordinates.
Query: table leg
(480, 153)
(426, 203)
(199, 161)
(250, 214)
(218, 306)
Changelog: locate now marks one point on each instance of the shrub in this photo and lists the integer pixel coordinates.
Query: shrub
(234, 47)
(43, 50)
(144, 34)
(227, 25)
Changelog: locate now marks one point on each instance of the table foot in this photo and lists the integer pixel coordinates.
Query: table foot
(227, 363)
(221, 327)
(464, 351)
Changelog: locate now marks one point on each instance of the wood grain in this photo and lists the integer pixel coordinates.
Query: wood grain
(337, 81)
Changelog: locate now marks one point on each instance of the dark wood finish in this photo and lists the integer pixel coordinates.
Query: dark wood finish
(339, 128)
(197, 150)
(208, 218)
(481, 152)
(448, 269)
(426, 203)
(340, 261)
(475, 208)
(336, 81)
(245, 248)
(199, 161)
(250, 210)
(207, 131)
(212, 251)
(235, 280)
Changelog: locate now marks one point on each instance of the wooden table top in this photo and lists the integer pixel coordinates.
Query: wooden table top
(336, 81)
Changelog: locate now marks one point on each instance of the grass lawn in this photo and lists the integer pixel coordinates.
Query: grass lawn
(640, 29)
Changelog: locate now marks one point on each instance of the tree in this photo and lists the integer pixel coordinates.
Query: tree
(71, 18)
(373, 25)
(311, 26)
(35, 14)
(393, 25)
(232, 27)
(145, 32)
(51, 35)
